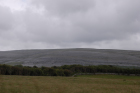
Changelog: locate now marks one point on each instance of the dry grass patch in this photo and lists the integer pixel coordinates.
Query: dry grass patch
(82, 84)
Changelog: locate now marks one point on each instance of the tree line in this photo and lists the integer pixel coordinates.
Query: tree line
(65, 70)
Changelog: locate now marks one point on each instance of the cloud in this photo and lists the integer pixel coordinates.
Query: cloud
(6, 18)
(66, 24)
(98, 17)
(63, 7)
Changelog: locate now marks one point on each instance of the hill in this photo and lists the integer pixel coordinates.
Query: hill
(82, 56)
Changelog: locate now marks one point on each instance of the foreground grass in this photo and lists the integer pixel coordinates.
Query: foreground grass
(79, 84)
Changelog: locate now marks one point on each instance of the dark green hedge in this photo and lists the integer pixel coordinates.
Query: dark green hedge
(66, 70)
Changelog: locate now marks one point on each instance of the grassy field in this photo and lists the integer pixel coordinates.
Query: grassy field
(79, 84)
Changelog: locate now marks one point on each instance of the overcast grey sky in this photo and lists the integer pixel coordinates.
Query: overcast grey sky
(46, 24)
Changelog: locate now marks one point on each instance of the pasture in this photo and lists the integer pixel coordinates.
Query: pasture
(78, 84)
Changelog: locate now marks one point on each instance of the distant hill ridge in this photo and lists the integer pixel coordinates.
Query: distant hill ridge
(59, 57)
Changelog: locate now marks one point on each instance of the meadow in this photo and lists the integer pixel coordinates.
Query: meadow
(78, 84)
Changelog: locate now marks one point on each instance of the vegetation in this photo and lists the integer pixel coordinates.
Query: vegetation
(66, 70)
(79, 84)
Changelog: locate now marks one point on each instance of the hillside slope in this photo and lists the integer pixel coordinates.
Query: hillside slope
(58, 57)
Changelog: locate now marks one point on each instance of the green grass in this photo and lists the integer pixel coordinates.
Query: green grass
(79, 84)
(105, 76)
